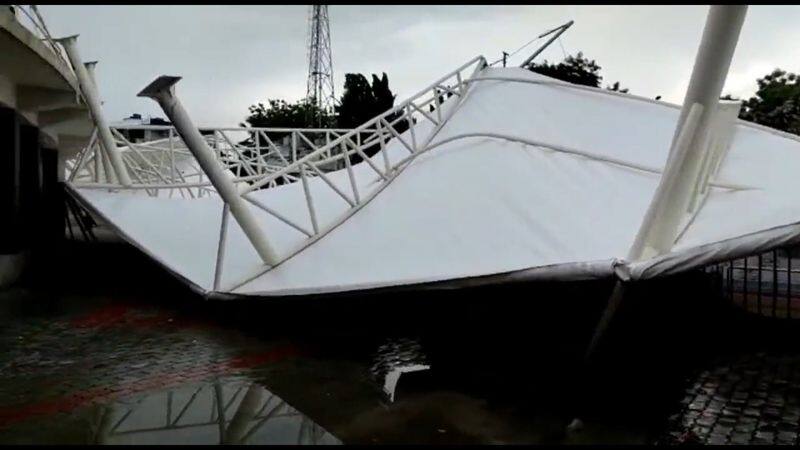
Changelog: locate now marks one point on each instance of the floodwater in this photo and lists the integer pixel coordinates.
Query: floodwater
(120, 353)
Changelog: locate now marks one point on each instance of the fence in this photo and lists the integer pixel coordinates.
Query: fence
(166, 166)
(30, 17)
(762, 284)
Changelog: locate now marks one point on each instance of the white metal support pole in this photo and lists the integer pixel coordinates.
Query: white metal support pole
(89, 91)
(668, 206)
(90, 66)
(561, 31)
(162, 90)
(672, 200)
(720, 35)
(108, 170)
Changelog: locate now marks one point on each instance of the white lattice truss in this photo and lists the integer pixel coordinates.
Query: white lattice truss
(224, 405)
(165, 167)
(352, 167)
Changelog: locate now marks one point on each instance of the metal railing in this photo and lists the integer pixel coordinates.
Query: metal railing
(166, 166)
(117, 422)
(30, 17)
(767, 284)
(254, 161)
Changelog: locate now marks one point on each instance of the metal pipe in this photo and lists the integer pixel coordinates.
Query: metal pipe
(563, 28)
(673, 196)
(720, 35)
(774, 282)
(661, 220)
(162, 90)
(89, 91)
(223, 233)
(90, 66)
(245, 413)
(789, 283)
(107, 169)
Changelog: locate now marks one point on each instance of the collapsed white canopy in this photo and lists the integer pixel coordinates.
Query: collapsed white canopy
(529, 178)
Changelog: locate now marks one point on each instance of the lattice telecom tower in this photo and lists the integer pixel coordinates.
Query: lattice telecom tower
(320, 65)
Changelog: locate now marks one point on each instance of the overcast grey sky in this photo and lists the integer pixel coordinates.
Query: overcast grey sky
(233, 56)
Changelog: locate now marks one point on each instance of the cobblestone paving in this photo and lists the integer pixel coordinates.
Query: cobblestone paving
(54, 368)
(752, 399)
(67, 375)
(60, 370)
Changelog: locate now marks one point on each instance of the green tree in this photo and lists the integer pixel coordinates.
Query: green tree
(281, 114)
(776, 103)
(362, 101)
(576, 69)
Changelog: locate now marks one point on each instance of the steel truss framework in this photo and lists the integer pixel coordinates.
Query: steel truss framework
(259, 158)
(160, 168)
(29, 16)
(167, 166)
(319, 87)
(238, 411)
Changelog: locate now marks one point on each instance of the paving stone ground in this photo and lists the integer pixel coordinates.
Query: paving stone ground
(52, 369)
(59, 368)
(749, 399)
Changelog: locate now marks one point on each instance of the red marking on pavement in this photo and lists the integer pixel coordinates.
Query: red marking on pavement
(104, 316)
(18, 413)
(122, 315)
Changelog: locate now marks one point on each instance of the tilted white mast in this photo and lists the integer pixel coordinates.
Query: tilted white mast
(673, 197)
(90, 94)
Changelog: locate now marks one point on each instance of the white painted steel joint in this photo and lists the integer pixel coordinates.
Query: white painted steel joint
(89, 91)
(162, 90)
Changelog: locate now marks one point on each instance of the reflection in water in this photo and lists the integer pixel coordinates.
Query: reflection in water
(89, 369)
(396, 357)
(393, 377)
(216, 412)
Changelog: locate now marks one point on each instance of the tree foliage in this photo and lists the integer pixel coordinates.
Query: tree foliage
(576, 69)
(362, 101)
(776, 103)
(573, 69)
(281, 114)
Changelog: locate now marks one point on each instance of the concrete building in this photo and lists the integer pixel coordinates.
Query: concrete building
(42, 123)
(139, 133)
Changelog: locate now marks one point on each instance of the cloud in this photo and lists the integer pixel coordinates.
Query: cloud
(234, 56)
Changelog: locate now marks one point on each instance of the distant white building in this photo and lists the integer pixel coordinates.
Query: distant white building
(136, 134)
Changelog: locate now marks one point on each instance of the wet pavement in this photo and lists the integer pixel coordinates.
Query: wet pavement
(750, 399)
(137, 373)
(132, 357)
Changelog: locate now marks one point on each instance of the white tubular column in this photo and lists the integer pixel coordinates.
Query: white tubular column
(720, 35)
(108, 171)
(689, 143)
(90, 65)
(561, 31)
(162, 90)
(663, 214)
(89, 91)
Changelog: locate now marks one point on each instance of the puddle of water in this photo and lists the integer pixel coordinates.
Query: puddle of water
(127, 372)
(219, 412)
(223, 411)
(125, 364)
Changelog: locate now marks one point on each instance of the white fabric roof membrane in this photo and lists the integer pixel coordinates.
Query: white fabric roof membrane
(493, 207)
